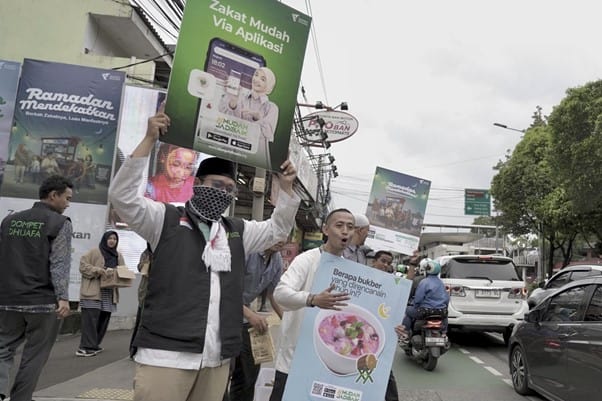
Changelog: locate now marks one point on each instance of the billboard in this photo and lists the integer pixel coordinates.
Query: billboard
(65, 122)
(396, 208)
(232, 90)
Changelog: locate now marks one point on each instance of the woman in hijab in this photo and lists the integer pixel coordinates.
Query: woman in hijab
(97, 303)
(255, 105)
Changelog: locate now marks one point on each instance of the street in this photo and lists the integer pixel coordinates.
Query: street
(475, 368)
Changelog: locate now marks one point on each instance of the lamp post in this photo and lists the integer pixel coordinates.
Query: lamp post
(504, 126)
(540, 240)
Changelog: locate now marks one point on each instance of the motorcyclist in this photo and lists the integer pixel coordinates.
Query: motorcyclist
(431, 295)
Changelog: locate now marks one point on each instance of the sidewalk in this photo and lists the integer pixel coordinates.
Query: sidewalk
(105, 377)
(111, 383)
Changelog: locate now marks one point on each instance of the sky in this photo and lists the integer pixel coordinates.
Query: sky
(427, 80)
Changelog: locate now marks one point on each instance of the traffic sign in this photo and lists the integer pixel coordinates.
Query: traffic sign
(477, 202)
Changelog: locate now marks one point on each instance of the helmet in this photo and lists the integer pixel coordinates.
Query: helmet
(430, 266)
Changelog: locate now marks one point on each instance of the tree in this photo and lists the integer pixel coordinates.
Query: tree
(528, 197)
(484, 221)
(576, 153)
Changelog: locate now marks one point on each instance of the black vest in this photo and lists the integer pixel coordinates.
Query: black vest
(174, 316)
(24, 255)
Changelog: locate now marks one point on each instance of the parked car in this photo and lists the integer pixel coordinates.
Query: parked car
(557, 349)
(564, 276)
(486, 293)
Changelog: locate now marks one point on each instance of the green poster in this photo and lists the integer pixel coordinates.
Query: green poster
(233, 86)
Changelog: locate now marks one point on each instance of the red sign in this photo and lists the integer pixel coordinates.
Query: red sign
(337, 125)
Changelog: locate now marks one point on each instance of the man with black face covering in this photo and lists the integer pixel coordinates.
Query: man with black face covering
(192, 314)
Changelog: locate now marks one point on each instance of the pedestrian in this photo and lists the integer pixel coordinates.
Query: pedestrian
(293, 292)
(263, 271)
(356, 249)
(35, 250)
(97, 303)
(193, 310)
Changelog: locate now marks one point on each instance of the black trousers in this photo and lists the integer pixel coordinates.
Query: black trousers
(245, 371)
(280, 383)
(94, 327)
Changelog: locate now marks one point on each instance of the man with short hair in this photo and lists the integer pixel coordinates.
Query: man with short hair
(293, 292)
(35, 250)
(382, 261)
(356, 250)
(193, 309)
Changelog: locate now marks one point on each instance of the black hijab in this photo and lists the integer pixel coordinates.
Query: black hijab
(110, 254)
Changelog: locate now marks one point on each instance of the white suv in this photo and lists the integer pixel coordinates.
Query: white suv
(486, 293)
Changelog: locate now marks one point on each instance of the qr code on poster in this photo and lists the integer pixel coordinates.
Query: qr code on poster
(323, 390)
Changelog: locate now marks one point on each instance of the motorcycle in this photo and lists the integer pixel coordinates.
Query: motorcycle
(427, 342)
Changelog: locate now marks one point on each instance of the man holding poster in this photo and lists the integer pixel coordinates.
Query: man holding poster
(338, 351)
(192, 315)
(293, 295)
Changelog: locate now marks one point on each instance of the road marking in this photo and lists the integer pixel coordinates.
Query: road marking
(464, 351)
(493, 371)
(508, 382)
(477, 360)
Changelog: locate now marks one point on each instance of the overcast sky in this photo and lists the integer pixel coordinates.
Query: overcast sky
(427, 80)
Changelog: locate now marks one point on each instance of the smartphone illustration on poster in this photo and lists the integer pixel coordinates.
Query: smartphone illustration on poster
(228, 75)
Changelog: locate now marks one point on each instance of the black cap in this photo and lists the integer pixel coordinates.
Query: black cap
(217, 166)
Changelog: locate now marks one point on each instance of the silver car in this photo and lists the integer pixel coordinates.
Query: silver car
(564, 276)
(557, 349)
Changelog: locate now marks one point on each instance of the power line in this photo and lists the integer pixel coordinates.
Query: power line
(316, 50)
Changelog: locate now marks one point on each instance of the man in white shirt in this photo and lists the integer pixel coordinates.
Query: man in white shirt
(192, 314)
(292, 293)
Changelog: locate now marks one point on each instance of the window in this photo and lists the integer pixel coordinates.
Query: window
(594, 310)
(559, 281)
(467, 268)
(581, 274)
(564, 307)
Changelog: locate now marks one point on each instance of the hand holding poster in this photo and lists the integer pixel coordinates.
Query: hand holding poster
(347, 354)
(232, 90)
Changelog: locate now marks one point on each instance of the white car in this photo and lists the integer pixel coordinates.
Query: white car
(486, 293)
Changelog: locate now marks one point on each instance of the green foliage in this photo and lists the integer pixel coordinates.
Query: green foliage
(553, 178)
(484, 221)
(522, 183)
(576, 153)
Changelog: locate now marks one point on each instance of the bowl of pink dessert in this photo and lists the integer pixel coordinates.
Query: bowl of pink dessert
(342, 337)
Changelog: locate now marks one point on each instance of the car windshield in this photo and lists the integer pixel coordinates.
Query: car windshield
(490, 269)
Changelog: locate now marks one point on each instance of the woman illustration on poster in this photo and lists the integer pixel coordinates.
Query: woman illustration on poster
(256, 106)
